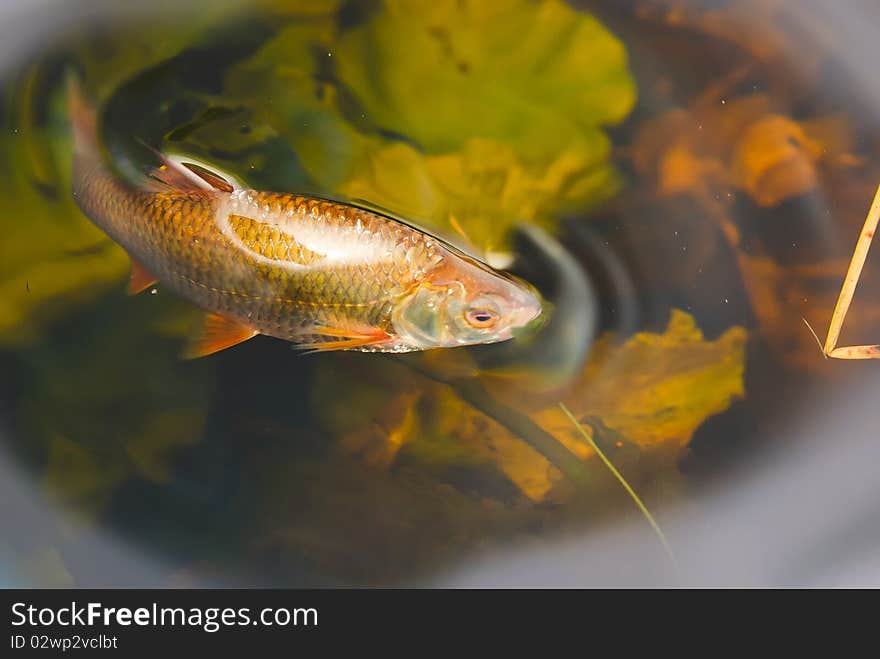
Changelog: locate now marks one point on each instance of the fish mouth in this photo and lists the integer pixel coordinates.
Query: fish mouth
(530, 307)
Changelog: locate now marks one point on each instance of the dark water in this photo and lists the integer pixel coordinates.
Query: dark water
(681, 193)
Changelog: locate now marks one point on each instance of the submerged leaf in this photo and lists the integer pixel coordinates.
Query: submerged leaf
(650, 393)
(484, 187)
(501, 106)
(656, 389)
(282, 88)
(518, 71)
(111, 402)
(777, 158)
(743, 144)
(52, 259)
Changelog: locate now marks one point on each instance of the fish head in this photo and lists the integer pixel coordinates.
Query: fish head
(468, 303)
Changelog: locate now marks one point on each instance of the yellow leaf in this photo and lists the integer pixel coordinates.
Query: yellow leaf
(774, 160)
(656, 389)
(653, 390)
(522, 72)
(485, 186)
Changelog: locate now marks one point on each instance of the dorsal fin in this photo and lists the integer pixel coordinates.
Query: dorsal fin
(215, 334)
(211, 178)
(186, 175)
(175, 176)
(457, 238)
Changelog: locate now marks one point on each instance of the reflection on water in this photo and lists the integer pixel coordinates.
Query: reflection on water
(668, 185)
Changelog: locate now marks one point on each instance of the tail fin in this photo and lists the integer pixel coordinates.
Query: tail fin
(83, 119)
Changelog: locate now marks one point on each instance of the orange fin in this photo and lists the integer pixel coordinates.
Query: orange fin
(174, 177)
(215, 334)
(347, 339)
(186, 176)
(211, 178)
(140, 279)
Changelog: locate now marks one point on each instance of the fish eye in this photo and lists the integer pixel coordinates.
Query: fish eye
(481, 318)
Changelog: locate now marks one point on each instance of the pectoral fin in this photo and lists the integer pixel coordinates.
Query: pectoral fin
(217, 333)
(344, 339)
(140, 278)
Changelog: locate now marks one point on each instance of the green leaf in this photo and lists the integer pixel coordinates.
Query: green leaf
(530, 74)
(52, 259)
(282, 87)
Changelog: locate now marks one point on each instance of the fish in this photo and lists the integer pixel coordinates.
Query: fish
(319, 273)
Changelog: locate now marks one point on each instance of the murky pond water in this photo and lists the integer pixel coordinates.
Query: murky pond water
(682, 182)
